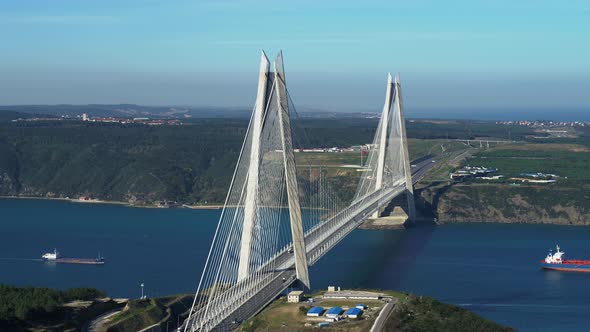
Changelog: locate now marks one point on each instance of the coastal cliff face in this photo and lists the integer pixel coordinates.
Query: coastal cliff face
(505, 203)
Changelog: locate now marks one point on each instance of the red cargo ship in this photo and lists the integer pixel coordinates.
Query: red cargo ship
(554, 261)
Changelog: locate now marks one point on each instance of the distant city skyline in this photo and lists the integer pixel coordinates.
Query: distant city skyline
(454, 55)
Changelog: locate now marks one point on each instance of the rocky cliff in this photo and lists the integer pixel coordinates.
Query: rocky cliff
(549, 204)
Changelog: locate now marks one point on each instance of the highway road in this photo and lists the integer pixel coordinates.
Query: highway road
(420, 169)
(383, 315)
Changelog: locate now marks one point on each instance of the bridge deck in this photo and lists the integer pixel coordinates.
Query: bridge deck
(319, 240)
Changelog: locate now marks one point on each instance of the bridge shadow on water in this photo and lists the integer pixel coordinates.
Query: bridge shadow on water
(378, 259)
(402, 256)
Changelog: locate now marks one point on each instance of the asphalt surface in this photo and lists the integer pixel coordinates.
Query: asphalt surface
(383, 315)
(420, 169)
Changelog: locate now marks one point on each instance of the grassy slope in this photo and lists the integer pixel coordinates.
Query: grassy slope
(137, 315)
(425, 314)
(192, 163)
(143, 313)
(416, 314)
(566, 202)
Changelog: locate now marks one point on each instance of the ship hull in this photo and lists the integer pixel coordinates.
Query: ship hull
(566, 267)
(77, 261)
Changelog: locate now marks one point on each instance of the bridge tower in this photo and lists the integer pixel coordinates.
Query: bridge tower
(253, 170)
(272, 97)
(383, 135)
(393, 127)
(259, 247)
(405, 154)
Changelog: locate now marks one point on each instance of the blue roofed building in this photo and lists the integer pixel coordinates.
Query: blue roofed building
(315, 311)
(334, 312)
(353, 313)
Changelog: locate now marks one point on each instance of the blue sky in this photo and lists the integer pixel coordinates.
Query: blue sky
(451, 54)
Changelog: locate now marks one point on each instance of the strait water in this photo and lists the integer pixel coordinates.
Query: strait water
(490, 269)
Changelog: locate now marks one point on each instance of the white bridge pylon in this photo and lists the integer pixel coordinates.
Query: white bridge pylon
(264, 241)
(388, 163)
(275, 101)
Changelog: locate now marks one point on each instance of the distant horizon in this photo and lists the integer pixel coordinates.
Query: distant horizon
(556, 113)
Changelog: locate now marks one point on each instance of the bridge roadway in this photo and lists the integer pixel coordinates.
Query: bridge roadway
(319, 240)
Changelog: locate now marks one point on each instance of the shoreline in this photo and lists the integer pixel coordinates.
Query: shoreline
(367, 226)
(98, 201)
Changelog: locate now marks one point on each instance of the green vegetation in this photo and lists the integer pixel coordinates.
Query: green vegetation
(191, 164)
(120, 162)
(280, 315)
(411, 313)
(466, 129)
(425, 314)
(510, 203)
(570, 162)
(508, 199)
(24, 308)
(20, 305)
(137, 315)
(13, 115)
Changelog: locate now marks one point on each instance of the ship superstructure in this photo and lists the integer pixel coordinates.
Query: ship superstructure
(555, 261)
(51, 256)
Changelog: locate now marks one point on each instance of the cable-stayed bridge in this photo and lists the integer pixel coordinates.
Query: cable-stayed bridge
(279, 219)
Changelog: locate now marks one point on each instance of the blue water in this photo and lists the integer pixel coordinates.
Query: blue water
(490, 269)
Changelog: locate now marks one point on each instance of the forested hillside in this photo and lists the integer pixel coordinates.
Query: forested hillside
(19, 305)
(191, 163)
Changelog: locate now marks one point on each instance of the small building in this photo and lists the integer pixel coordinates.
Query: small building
(334, 312)
(361, 306)
(315, 312)
(353, 313)
(295, 296)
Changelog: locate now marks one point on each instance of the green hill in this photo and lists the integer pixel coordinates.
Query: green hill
(425, 314)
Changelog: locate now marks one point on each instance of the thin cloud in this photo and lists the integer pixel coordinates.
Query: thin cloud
(60, 19)
(399, 36)
(282, 41)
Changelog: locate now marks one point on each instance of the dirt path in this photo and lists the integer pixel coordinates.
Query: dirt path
(98, 323)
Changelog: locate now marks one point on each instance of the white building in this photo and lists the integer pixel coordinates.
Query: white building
(295, 297)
